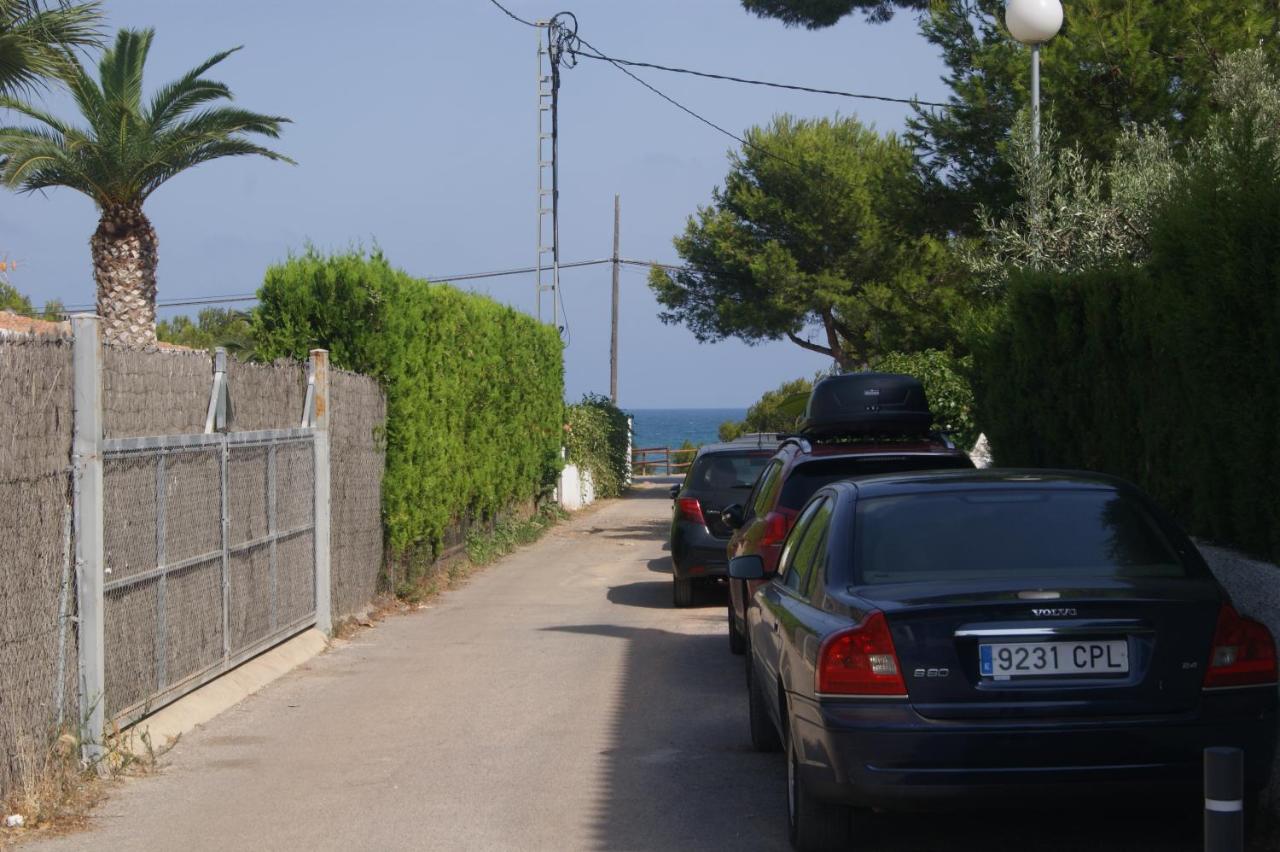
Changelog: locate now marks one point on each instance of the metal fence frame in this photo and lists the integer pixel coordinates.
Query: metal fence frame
(90, 448)
(162, 447)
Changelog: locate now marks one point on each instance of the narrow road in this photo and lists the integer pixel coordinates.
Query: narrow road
(557, 702)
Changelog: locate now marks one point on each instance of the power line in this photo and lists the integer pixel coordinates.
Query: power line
(512, 15)
(465, 276)
(742, 141)
(730, 78)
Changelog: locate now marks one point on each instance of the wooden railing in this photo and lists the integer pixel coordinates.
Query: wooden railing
(660, 461)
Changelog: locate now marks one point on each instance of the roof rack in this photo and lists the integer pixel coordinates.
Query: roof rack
(806, 443)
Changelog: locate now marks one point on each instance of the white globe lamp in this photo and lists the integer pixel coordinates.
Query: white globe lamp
(1034, 22)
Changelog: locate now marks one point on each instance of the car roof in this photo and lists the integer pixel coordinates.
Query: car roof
(798, 450)
(743, 448)
(892, 484)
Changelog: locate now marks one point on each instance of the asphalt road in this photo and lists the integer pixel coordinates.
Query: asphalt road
(557, 702)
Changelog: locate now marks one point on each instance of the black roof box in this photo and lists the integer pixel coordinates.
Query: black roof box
(867, 403)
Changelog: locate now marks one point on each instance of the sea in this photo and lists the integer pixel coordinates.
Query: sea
(671, 427)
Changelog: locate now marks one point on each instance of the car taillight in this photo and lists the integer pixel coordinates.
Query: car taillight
(775, 529)
(860, 661)
(691, 510)
(1244, 653)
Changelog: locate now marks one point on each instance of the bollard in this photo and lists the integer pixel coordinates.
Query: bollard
(1223, 800)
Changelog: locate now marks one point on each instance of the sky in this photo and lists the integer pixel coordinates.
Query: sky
(414, 130)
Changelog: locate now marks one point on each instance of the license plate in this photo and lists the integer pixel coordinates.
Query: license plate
(1039, 659)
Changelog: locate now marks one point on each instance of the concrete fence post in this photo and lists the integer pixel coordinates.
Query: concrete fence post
(319, 369)
(87, 505)
(1223, 800)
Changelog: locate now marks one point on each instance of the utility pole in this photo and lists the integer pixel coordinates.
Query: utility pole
(613, 337)
(548, 256)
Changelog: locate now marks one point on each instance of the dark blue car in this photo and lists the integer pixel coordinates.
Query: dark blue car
(996, 637)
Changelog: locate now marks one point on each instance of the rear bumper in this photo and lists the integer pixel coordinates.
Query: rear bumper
(886, 755)
(695, 552)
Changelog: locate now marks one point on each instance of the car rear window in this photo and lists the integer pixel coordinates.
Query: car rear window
(990, 534)
(805, 480)
(723, 471)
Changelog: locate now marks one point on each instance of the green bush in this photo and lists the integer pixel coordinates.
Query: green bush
(596, 440)
(474, 388)
(1164, 375)
(945, 384)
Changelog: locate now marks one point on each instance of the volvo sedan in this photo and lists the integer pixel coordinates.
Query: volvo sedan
(997, 638)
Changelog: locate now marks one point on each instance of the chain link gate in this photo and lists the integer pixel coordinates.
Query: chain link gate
(210, 557)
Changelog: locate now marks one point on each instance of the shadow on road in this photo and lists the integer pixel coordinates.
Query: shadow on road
(656, 594)
(661, 565)
(680, 773)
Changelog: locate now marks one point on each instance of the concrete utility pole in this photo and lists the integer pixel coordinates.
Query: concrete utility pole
(613, 338)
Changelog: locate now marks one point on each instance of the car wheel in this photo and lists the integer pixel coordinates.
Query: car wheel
(682, 591)
(737, 644)
(814, 826)
(764, 736)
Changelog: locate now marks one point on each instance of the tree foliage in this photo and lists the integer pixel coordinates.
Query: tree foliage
(817, 227)
(11, 299)
(213, 327)
(37, 41)
(474, 388)
(1116, 63)
(778, 410)
(816, 14)
(1071, 214)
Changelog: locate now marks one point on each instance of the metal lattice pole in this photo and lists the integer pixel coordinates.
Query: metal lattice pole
(548, 254)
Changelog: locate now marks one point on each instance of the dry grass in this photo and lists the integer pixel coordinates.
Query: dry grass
(58, 790)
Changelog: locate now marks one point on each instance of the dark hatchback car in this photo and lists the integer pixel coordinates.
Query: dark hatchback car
(799, 468)
(996, 637)
(720, 475)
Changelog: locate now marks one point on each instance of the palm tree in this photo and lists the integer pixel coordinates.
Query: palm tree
(36, 40)
(128, 150)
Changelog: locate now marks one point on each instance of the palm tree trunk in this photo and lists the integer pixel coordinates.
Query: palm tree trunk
(124, 266)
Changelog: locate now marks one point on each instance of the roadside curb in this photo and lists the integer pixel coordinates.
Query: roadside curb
(166, 725)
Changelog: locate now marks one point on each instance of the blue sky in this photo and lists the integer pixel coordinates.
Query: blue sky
(414, 128)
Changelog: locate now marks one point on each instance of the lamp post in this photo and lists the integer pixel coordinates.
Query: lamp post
(1034, 22)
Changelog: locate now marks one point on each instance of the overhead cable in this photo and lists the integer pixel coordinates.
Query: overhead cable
(728, 77)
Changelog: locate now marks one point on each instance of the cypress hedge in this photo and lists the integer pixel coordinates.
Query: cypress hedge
(1166, 374)
(474, 389)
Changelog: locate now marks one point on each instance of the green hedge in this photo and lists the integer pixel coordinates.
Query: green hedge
(596, 439)
(474, 388)
(1165, 375)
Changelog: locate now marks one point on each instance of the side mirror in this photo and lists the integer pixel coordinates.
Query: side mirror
(732, 516)
(746, 568)
(675, 491)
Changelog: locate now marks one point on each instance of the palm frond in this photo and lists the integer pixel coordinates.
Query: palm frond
(193, 155)
(36, 42)
(188, 92)
(125, 151)
(120, 69)
(33, 112)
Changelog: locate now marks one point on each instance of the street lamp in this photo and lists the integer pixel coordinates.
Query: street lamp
(1034, 22)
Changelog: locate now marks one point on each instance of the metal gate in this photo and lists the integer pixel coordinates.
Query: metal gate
(210, 557)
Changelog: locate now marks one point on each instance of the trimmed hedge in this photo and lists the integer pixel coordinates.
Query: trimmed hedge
(1164, 375)
(596, 439)
(474, 388)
